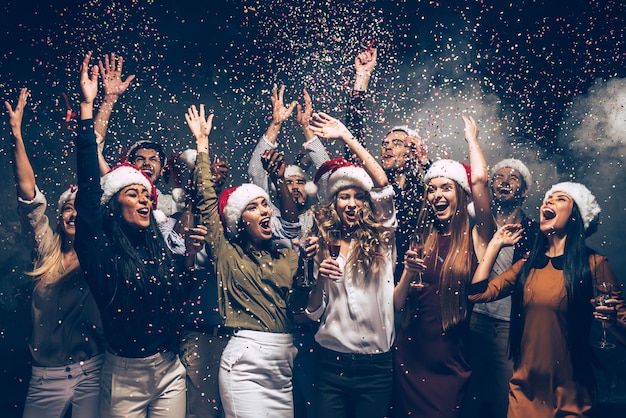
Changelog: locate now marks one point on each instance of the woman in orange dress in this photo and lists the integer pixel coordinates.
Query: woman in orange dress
(551, 313)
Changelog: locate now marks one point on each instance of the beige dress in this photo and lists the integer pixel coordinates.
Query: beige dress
(543, 384)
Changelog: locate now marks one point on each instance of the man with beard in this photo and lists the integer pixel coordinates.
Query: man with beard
(491, 367)
(403, 156)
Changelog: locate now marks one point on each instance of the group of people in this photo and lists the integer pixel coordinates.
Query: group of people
(371, 289)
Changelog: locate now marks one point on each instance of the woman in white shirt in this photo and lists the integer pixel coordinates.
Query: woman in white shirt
(353, 296)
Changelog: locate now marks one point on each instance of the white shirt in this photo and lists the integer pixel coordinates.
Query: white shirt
(357, 314)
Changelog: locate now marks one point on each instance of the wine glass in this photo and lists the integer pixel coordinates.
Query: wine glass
(603, 292)
(334, 245)
(415, 244)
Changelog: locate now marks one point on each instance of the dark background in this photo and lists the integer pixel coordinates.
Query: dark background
(545, 80)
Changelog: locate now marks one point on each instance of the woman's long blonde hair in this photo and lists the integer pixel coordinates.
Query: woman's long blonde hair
(49, 269)
(456, 271)
(368, 234)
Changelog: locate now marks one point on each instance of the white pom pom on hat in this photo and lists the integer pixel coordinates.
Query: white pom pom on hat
(585, 200)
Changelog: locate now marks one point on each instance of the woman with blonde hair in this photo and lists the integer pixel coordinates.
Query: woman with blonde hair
(67, 343)
(353, 296)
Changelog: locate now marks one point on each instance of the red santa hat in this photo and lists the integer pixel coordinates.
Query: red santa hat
(233, 201)
(342, 174)
(69, 194)
(453, 170)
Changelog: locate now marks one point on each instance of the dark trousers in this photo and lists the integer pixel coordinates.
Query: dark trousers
(488, 389)
(200, 353)
(353, 385)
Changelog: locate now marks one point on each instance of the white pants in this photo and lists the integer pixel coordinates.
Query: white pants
(255, 375)
(152, 386)
(52, 390)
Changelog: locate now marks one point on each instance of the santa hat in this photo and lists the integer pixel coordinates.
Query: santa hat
(342, 174)
(295, 171)
(405, 129)
(233, 201)
(69, 194)
(453, 170)
(516, 165)
(586, 202)
(174, 165)
(129, 154)
(123, 175)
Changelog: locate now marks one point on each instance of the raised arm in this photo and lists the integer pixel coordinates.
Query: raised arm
(509, 234)
(325, 126)
(364, 65)
(22, 169)
(485, 223)
(114, 87)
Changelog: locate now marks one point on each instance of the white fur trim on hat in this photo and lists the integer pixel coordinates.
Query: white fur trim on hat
(189, 156)
(349, 176)
(119, 177)
(450, 169)
(69, 194)
(516, 165)
(405, 129)
(237, 202)
(585, 200)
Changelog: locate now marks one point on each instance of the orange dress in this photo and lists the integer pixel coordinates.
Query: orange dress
(543, 384)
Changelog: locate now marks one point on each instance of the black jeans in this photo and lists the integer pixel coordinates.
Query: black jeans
(353, 385)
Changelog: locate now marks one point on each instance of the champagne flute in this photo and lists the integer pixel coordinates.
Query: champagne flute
(416, 245)
(603, 292)
(306, 279)
(334, 245)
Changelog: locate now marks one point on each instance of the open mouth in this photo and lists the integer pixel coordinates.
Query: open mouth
(143, 211)
(548, 214)
(504, 190)
(440, 207)
(265, 225)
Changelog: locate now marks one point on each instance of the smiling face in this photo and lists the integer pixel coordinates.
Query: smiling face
(149, 161)
(394, 150)
(441, 194)
(256, 220)
(507, 186)
(135, 205)
(555, 213)
(348, 203)
(67, 218)
(295, 185)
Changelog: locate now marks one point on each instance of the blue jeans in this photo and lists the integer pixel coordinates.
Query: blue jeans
(53, 389)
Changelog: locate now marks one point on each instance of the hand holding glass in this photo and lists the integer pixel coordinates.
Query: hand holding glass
(603, 292)
(416, 245)
(334, 245)
(306, 279)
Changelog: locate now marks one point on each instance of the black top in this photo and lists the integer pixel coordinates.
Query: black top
(139, 314)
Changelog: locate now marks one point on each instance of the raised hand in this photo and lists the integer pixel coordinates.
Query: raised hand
(327, 127)
(200, 126)
(365, 62)
(274, 163)
(417, 149)
(280, 112)
(112, 75)
(471, 129)
(88, 83)
(16, 115)
(304, 115)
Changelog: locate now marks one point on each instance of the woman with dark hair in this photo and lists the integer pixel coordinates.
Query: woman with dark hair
(137, 283)
(67, 343)
(254, 285)
(431, 351)
(551, 313)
